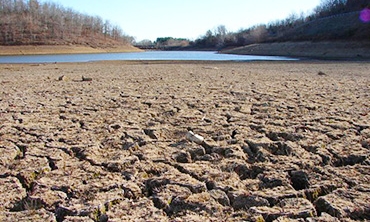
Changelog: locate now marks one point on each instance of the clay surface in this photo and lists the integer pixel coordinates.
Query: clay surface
(106, 141)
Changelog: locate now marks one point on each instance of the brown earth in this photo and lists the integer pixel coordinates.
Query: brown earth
(319, 50)
(62, 49)
(106, 141)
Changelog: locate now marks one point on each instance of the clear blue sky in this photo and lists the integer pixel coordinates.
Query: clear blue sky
(149, 19)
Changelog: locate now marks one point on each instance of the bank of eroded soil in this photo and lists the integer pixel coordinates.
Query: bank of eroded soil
(282, 140)
(338, 50)
(61, 49)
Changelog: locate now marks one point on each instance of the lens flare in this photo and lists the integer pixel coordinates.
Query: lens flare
(365, 15)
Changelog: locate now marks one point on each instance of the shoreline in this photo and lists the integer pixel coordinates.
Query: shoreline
(325, 51)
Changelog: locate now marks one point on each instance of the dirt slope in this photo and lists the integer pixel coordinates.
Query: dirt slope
(320, 50)
(61, 49)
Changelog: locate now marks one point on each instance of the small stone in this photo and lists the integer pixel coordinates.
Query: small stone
(63, 78)
(115, 126)
(194, 137)
(86, 79)
(151, 134)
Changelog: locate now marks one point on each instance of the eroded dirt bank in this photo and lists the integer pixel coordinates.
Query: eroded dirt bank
(340, 50)
(63, 49)
(282, 140)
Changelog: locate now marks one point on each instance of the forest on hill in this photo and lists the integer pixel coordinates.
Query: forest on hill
(29, 22)
(332, 20)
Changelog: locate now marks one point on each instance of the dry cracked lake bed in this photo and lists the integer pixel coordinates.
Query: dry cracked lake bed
(106, 141)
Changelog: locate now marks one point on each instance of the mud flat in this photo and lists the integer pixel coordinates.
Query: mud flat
(106, 141)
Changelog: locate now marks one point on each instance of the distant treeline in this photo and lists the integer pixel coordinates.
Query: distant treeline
(331, 20)
(24, 22)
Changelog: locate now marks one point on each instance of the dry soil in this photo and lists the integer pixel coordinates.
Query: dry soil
(106, 141)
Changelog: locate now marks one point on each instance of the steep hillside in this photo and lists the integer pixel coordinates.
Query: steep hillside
(345, 26)
(29, 22)
(340, 36)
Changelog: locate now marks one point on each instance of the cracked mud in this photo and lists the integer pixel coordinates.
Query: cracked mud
(106, 141)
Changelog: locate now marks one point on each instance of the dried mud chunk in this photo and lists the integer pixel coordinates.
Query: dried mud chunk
(241, 200)
(299, 180)
(316, 191)
(32, 163)
(11, 192)
(201, 204)
(258, 149)
(292, 208)
(141, 209)
(323, 218)
(77, 219)
(220, 196)
(28, 215)
(254, 144)
(81, 210)
(121, 164)
(344, 203)
(131, 190)
(163, 197)
(183, 157)
(278, 136)
(365, 144)
(27, 178)
(298, 207)
(9, 152)
(197, 152)
(273, 179)
(276, 194)
(176, 178)
(153, 184)
(50, 197)
(235, 152)
(210, 157)
(350, 159)
(94, 207)
(28, 203)
(248, 172)
(281, 148)
(202, 171)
